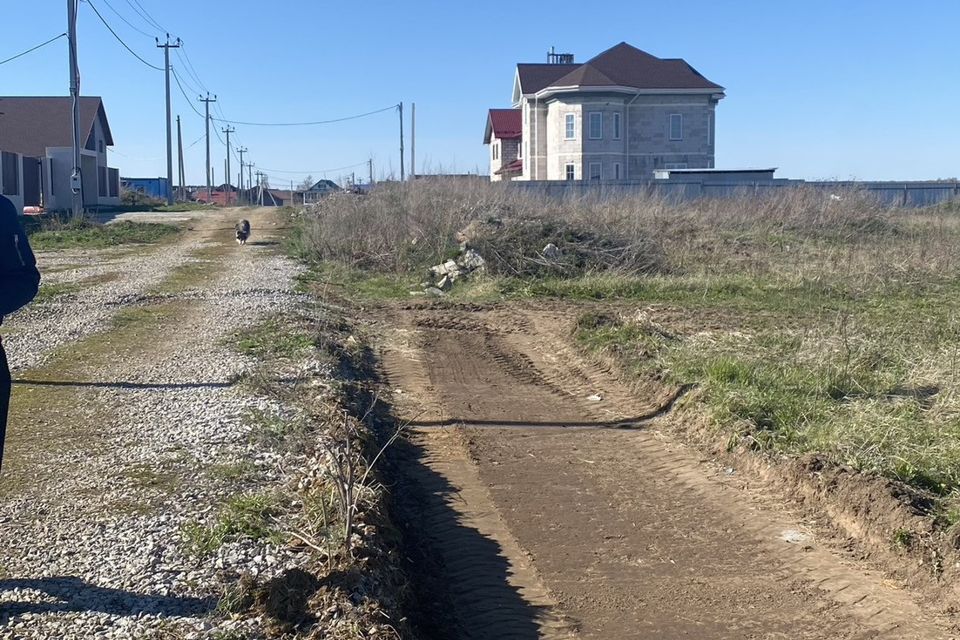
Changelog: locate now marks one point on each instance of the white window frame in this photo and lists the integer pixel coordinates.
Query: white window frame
(679, 120)
(570, 133)
(617, 174)
(599, 117)
(520, 149)
(570, 171)
(599, 166)
(496, 150)
(617, 123)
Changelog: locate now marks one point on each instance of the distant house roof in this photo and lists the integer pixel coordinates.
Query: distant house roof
(29, 125)
(504, 124)
(514, 167)
(620, 66)
(325, 185)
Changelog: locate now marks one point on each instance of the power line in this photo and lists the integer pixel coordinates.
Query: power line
(191, 65)
(32, 49)
(318, 171)
(129, 24)
(146, 16)
(306, 124)
(176, 76)
(119, 39)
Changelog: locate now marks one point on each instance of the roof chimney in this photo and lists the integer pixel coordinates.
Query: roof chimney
(559, 58)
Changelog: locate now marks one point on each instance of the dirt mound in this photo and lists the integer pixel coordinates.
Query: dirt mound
(537, 247)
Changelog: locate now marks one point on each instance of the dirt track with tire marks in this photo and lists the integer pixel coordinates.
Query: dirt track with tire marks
(534, 519)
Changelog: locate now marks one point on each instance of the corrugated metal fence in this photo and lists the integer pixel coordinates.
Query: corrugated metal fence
(904, 194)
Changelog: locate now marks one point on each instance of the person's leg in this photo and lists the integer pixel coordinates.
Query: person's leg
(4, 398)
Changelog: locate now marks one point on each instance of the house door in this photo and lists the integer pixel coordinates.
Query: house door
(31, 182)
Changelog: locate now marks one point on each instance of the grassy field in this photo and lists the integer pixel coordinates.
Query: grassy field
(807, 323)
(85, 234)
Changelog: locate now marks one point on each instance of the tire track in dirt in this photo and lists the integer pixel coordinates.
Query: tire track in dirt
(622, 532)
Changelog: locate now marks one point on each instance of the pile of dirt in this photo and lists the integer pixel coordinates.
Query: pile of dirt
(541, 247)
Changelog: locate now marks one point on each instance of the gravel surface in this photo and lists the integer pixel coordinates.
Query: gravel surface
(99, 282)
(92, 537)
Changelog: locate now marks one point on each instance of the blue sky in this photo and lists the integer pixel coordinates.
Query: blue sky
(862, 90)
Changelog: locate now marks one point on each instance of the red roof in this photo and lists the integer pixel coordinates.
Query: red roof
(504, 124)
(514, 167)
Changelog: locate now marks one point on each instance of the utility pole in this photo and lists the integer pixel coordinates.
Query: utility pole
(413, 141)
(166, 69)
(402, 176)
(241, 151)
(260, 188)
(228, 131)
(180, 174)
(250, 179)
(207, 102)
(370, 170)
(76, 181)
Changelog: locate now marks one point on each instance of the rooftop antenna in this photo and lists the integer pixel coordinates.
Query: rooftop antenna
(559, 58)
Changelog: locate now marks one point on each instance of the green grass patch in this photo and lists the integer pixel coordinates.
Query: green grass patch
(52, 291)
(273, 338)
(247, 516)
(357, 284)
(84, 234)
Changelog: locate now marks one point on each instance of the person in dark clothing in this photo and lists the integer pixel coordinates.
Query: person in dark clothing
(19, 282)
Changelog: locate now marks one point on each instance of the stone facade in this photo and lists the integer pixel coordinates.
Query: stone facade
(634, 135)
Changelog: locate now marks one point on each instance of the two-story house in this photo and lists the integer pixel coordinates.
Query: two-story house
(619, 116)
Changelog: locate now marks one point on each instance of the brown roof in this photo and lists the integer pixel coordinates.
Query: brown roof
(504, 124)
(623, 66)
(29, 125)
(534, 77)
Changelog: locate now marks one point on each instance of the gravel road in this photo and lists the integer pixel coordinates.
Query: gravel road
(116, 431)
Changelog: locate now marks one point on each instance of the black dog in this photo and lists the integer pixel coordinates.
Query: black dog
(243, 231)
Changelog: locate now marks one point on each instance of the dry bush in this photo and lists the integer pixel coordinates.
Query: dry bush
(786, 235)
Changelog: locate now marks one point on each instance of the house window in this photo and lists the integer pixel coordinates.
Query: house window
(570, 130)
(709, 129)
(519, 149)
(596, 125)
(496, 150)
(616, 126)
(595, 171)
(675, 165)
(570, 172)
(676, 126)
(616, 170)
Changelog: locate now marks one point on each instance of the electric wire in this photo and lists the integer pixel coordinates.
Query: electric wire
(147, 17)
(129, 24)
(306, 124)
(196, 75)
(32, 49)
(319, 171)
(119, 39)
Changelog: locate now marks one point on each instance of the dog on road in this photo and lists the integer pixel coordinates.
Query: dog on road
(243, 231)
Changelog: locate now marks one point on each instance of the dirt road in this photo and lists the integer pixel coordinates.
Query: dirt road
(532, 518)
